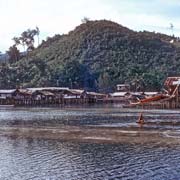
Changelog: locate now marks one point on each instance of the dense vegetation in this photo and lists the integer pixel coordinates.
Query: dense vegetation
(97, 55)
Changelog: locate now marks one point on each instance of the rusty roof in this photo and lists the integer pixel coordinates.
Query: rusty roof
(171, 81)
(75, 91)
(45, 93)
(24, 91)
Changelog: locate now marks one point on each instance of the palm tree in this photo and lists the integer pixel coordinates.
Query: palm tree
(27, 39)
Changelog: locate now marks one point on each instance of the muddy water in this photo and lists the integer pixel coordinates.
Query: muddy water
(39, 158)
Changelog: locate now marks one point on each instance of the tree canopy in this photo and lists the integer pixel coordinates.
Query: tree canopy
(27, 39)
(98, 55)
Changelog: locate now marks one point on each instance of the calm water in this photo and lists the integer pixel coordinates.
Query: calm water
(22, 158)
(87, 116)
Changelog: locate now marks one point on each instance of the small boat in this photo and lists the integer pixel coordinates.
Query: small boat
(140, 119)
(157, 123)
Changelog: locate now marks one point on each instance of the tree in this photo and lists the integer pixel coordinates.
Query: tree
(85, 20)
(27, 39)
(13, 53)
(73, 74)
(104, 82)
(37, 33)
(19, 41)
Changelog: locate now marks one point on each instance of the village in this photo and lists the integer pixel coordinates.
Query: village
(169, 98)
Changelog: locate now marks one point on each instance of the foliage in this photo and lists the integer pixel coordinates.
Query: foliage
(85, 20)
(27, 38)
(14, 54)
(99, 55)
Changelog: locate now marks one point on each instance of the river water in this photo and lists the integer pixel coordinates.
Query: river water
(39, 158)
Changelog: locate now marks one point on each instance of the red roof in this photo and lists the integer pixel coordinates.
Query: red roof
(170, 81)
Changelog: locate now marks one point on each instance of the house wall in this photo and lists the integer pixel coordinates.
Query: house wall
(4, 96)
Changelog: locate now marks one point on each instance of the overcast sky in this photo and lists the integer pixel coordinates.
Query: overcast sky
(61, 16)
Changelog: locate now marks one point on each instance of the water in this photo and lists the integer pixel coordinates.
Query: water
(107, 116)
(40, 158)
(50, 159)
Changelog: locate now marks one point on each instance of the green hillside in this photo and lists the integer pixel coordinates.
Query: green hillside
(97, 55)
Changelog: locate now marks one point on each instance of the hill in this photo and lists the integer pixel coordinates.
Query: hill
(97, 55)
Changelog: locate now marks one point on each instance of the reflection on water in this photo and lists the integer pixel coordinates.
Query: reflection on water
(98, 116)
(22, 158)
(50, 159)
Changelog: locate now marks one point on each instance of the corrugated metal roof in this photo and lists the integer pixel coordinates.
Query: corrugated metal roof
(76, 91)
(122, 85)
(7, 91)
(47, 88)
(116, 94)
(46, 93)
(150, 93)
(176, 82)
(136, 93)
(172, 81)
(95, 94)
(25, 91)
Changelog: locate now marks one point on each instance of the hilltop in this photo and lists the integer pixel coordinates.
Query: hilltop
(97, 55)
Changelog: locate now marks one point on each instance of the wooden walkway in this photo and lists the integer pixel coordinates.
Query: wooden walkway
(32, 102)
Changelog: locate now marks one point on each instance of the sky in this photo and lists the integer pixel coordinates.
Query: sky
(61, 16)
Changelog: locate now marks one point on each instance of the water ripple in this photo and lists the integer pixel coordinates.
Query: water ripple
(26, 159)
